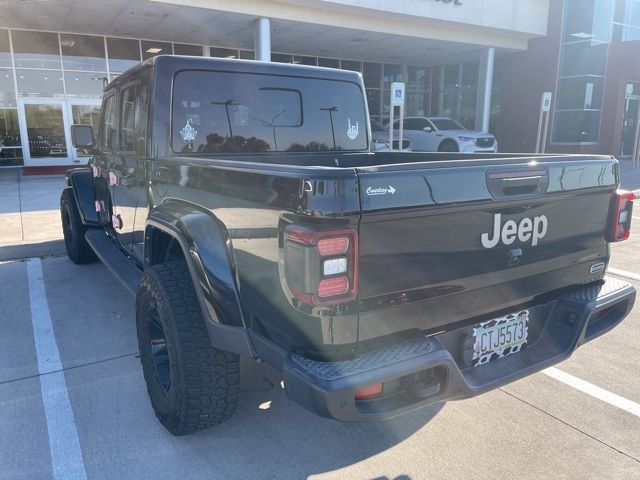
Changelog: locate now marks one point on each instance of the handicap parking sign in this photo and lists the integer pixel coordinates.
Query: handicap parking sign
(397, 93)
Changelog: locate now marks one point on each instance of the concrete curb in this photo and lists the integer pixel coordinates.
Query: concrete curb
(19, 251)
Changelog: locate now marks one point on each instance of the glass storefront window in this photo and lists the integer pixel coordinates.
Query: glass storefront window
(123, 54)
(627, 12)
(451, 91)
(373, 100)
(10, 151)
(392, 73)
(468, 94)
(372, 74)
(418, 78)
(183, 49)
(40, 83)
(247, 55)
(580, 93)
(5, 49)
(354, 65)
(151, 49)
(86, 115)
(621, 11)
(634, 15)
(304, 60)
(84, 84)
(585, 20)
(83, 52)
(45, 129)
(583, 58)
(223, 52)
(7, 88)
(329, 62)
(36, 49)
(576, 126)
(281, 58)
(418, 103)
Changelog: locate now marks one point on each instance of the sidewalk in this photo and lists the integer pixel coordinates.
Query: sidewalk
(29, 207)
(629, 176)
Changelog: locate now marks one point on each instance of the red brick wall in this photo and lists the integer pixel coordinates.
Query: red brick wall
(525, 76)
(622, 67)
(528, 74)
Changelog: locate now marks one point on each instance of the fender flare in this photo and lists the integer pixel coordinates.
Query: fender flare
(205, 244)
(81, 182)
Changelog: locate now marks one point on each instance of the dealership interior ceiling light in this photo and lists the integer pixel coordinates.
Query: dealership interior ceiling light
(582, 35)
(154, 50)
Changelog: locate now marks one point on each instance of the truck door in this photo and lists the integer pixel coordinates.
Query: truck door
(126, 174)
(107, 139)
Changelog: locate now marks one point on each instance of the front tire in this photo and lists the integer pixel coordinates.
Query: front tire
(73, 230)
(191, 384)
(448, 146)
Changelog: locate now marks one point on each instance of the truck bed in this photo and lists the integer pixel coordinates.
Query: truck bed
(422, 266)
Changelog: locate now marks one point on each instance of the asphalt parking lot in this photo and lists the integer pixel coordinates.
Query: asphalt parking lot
(73, 403)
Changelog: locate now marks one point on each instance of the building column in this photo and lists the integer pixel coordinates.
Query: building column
(485, 84)
(262, 39)
(440, 90)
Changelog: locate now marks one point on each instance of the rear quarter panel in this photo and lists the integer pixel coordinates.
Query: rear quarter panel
(255, 203)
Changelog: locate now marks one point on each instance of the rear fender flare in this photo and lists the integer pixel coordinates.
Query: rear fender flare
(81, 181)
(207, 250)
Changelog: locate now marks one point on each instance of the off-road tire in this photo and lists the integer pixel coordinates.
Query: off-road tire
(204, 381)
(77, 247)
(448, 146)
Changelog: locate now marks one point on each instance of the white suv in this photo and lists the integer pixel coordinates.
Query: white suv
(443, 134)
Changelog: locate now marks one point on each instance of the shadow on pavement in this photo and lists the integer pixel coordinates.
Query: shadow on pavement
(32, 249)
(282, 440)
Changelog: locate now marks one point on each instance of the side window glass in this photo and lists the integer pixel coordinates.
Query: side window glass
(412, 124)
(427, 123)
(128, 107)
(108, 134)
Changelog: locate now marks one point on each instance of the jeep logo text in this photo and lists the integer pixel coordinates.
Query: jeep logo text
(528, 229)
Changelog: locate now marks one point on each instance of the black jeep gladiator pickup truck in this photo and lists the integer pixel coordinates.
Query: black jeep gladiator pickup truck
(241, 204)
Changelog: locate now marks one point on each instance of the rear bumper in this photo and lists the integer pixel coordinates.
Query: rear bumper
(432, 369)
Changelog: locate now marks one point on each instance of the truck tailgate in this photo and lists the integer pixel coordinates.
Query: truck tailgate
(443, 243)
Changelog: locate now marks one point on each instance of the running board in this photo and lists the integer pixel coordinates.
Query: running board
(113, 258)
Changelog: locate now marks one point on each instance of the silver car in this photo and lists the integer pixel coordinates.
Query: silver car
(443, 134)
(380, 139)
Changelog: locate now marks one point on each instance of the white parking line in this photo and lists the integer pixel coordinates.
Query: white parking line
(624, 273)
(66, 455)
(596, 392)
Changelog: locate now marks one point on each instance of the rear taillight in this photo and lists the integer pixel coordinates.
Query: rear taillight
(321, 266)
(620, 215)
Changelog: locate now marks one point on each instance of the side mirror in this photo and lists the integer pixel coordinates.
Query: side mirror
(428, 129)
(82, 136)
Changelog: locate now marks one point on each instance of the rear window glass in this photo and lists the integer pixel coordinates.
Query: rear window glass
(247, 113)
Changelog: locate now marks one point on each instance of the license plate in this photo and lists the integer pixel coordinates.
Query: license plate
(500, 337)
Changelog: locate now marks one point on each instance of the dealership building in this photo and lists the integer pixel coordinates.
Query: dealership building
(485, 63)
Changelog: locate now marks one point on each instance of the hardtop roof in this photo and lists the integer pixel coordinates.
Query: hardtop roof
(170, 63)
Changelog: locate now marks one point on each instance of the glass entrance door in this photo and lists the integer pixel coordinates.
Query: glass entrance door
(630, 119)
(44, 128)
(83, 112)
(629, 123)
(46, 133)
